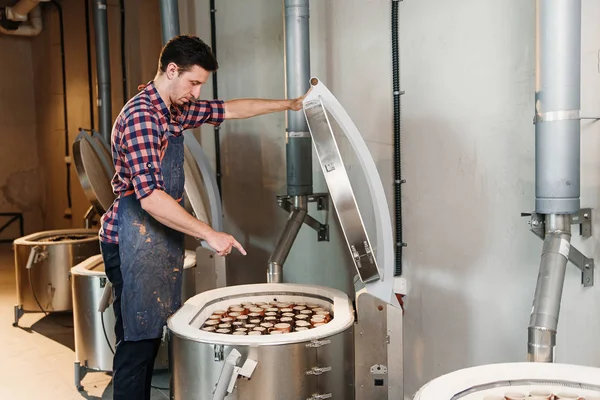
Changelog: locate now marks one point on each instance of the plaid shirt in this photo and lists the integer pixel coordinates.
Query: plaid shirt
(139, 140)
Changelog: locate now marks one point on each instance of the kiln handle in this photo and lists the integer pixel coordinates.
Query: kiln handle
(226, 374)
(35, 255)
(106, 297)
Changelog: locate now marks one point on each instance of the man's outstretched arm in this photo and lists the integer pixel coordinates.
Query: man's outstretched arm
(248, 108)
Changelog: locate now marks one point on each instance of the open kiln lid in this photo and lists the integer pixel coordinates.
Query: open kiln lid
(375, 265)
(95, 170)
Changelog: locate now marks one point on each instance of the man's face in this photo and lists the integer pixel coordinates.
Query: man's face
(186, 85)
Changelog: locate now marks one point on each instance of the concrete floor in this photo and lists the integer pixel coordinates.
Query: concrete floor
(37, 357)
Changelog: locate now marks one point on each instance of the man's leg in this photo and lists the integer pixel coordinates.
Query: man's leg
(132, 359)
(132, 366)
(150, 366)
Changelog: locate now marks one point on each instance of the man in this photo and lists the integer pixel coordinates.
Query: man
(142, 233)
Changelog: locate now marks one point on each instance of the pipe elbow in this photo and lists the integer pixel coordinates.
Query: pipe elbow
(10, 27)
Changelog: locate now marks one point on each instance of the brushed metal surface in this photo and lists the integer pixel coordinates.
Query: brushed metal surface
(92, 171)
(339, 355)
(279, 375)
(196, 195)
(378, 350)
(91, 348)
(211, 272)
(50, 276)
(341, 192)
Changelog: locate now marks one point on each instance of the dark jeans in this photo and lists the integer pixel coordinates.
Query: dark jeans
(134, 361)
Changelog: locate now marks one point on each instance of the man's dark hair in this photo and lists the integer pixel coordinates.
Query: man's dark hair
(187, 51)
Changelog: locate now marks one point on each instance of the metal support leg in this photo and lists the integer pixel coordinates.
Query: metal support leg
(80, 373)
(18, 314)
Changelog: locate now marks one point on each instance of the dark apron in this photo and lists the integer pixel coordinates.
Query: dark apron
(151, 256)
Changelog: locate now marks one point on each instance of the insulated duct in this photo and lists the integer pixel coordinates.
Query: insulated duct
(557, 153)
(298, 145)
(297, 68)
(557, 106)
(169, 19)
(103, 69)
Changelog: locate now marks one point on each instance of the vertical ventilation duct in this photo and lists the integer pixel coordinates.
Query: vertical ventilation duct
(297, 66)
(557, 154)
(169, 19)
(298, 146)
(103, 69)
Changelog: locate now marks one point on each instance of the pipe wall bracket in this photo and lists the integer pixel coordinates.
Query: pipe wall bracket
(322, 200)
(583, 218)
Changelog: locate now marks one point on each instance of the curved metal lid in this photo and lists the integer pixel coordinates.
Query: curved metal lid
(201, 190)
(195, 190)
(94, 169)
(374, 265)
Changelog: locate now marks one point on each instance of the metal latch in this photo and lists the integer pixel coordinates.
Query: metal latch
(318, 370)
(378, 369)
(218, 352)
(320, 396)
(318, 343)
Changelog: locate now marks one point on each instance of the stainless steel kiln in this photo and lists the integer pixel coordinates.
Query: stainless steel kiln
(94, 319)
(358, 355)
(42, 264)
(299, 364)
(515, 381)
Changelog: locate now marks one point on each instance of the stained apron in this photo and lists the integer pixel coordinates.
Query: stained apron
(152, 255)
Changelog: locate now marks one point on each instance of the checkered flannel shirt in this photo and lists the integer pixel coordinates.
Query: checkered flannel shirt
(139, 140)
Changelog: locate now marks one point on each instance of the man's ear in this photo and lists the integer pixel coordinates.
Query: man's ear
(172, 70)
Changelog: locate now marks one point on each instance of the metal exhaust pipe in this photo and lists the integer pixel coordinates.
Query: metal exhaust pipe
(557, 159)
(103, 69)
(297, 71)
(290, 232)
(169, 19)
(548, 293)
(299, 144)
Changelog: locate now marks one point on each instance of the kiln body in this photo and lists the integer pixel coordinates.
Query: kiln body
(42, 264)
(95, 330)
(313, 364)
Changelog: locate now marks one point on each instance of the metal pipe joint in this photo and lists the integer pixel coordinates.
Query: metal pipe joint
(543, 321)
(286, 240)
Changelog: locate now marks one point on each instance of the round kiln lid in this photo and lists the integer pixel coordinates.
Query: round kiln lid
(94, 169)
(525, 377)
